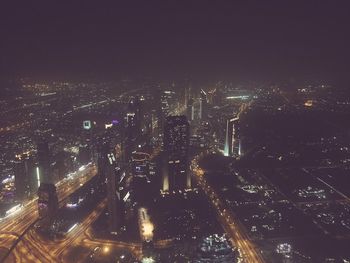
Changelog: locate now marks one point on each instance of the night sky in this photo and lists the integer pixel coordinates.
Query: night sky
(248, 40)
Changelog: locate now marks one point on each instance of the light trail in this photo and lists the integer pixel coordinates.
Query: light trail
(335, 190)
(231, 225)
(19, 222)
(58, 251)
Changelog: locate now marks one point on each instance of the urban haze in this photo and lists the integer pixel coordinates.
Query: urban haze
(175, 131)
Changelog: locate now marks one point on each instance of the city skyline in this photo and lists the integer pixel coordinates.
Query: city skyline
(174, 131)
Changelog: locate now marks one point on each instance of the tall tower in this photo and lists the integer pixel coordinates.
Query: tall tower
(47, 195)
(43, 157)
(86, 143)
(102, 151)
(190, 110)
(231, 136)
(187, 95)
(176, 146)
(203, 105)
(114, 195)
(47, 203)
(134, 118)
(24, 172)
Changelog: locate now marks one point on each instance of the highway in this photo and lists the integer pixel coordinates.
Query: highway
(34, 248)
(237, 233)
(15, 224)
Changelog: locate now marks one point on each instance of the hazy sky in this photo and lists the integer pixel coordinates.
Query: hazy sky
(238, 39)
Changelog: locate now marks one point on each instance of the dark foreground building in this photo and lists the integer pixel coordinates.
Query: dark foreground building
(176, 144)
(47, 201)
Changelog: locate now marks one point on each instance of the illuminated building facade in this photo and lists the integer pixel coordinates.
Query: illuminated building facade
(24, 175)
(134, 118)
(115, 190)
(86, 149)
(190, 110)
(176, 147)
(232, 144)
(43, 157)
(203, 105)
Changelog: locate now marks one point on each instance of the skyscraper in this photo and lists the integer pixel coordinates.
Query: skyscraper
(176, 146)
(43, 157)
(24, 175)
(131, 121)
(114, 194)
(134, 118)
(217, 96)
(47, 203)
(203, 105)
(231, 141)
(86, 143)
(187, 95)
(47, 195)
(190, 110)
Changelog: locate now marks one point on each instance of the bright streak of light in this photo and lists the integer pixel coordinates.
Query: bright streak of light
(243, 97)
(72, 227)
(38, 175)
(13, 210)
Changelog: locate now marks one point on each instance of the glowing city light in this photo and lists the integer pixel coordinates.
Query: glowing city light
(38, 175)
(72, 227)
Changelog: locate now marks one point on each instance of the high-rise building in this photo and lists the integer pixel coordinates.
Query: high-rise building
(131, 121)
(187, 95)
(155, 124)
(147, 124)
(24, 175)
(86, 143)
(47, 202)
(134, 118)
(190, 110)
(158, 114)
(43, 157)
(231, 137)
(102, 149)
(176, 147)
(203, 105)
(217, 96)
(114, 194)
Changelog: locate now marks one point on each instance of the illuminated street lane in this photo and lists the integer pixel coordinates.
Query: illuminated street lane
(58, 250)
(51, 250)
(231, 225)
(21, 220)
